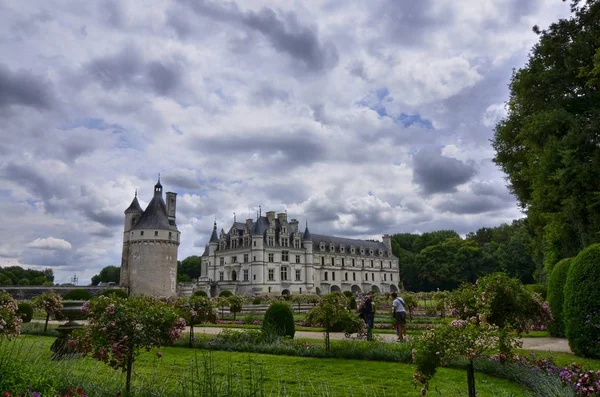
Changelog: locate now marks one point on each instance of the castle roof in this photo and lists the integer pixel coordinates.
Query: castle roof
(306, 235)
(155, 216)
(134, 206)
(348, 242)
(213, 237)
(261, 225)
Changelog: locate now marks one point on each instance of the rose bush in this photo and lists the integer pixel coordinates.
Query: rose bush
(50, 302)
(119, 328)
(10, 322)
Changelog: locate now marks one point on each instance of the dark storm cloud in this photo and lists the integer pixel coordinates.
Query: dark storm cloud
(284, 32)
(111, 12)
(494, 189)
(30, 178)
(472, 204)
(24, 88)
(285, 150)
(163, 78)
(116, 70)
(436, 173)
(128, 68)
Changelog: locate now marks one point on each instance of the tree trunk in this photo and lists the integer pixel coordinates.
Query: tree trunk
(46, 325)
(327, 342)
(129, 369)
(191, 333)
(471, 378)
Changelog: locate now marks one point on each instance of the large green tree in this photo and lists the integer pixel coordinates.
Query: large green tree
(109, 274)
(190, 268)
(549, 142)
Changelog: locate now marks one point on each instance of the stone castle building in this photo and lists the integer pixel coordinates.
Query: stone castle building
(272, 255)
(150, 244)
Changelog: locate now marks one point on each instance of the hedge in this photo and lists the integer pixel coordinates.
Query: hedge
(581, 310)
(556, 296)
(279, 320)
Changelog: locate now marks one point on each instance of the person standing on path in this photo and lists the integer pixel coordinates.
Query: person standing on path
(399, 314)
(368, 314)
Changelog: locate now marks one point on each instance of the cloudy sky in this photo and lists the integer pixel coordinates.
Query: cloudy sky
(364, 117)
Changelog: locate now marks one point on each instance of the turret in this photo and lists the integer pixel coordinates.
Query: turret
(133, 214)
(214, 241)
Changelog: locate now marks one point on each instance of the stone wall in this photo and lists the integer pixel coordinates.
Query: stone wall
(27, 293)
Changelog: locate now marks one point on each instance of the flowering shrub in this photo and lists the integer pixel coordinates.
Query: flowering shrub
(50, 302)
(199, 309)
(78, 392)
(235, 304)
(10, 322)
(119, 328)
(585, 382)
(468, 339)
(331, 312)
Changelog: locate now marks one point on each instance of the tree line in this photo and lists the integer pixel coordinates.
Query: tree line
(442, 259)
(16, 275)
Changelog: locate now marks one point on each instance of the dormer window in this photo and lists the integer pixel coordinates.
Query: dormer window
(362, 251)
(380, 252)
(352, 250)
(341, 248)
(322, 247)
(331, 247)
(371, 252)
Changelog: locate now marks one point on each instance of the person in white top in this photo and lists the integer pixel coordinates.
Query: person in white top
(399, 313)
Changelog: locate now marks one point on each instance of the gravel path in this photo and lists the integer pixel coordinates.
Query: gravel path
(542, 344)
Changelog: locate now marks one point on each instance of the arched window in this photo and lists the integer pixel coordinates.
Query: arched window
(233, 276)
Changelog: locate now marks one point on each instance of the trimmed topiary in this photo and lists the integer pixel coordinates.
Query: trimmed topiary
(257, 300)
(348, 294)
(119, 293)
(200, 293)
(556, 296)
(77, 295)
(279, 320)
(25, 311)
(581, 310)
(225, 294)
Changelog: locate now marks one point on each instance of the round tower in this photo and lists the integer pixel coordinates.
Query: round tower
(309, 261)
(153, 245)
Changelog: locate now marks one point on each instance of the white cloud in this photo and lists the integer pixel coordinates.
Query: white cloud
(50, 243)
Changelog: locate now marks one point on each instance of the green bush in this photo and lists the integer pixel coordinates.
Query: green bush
(348, 294)
(538, 288)
(77, 295)
(119, 293)
(556, 296)
(352, 304)
(25, 311)
(581, 310)
(279, 320)
(225, 294)
(200, 293)
(257, 300)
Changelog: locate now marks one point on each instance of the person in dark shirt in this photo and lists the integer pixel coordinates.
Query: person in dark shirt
(369, 314)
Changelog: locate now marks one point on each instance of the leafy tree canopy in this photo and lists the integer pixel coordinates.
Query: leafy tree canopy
(16, 275)
(109, 274)
(189, 268)
(549, 142)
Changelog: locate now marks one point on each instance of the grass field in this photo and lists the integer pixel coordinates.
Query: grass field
(171, 374)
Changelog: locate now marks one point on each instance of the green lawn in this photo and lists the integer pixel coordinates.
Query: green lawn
(297, 375)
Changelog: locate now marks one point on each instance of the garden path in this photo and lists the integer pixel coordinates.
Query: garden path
(542, 343)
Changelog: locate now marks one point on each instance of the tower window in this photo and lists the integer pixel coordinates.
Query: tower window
(332, 261)
(391, 277)
(371, 263)
(342, 262)
(170, 235)
(156, 233)
(142, 233)
(322, 261)
(333, 276)
(325, 276)
(346, 276)
(254, 243)
(353, 276)
(384, 277)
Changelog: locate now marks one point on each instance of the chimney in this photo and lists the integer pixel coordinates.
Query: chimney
(249, 223)
(171, 203)
(387, 241)
(282, 217)
(294, 225)
(271, 216)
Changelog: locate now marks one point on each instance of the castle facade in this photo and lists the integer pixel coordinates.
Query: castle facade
(271, 255)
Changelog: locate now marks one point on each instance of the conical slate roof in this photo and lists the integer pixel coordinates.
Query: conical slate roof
(155, 216)
(306, 234)
(213, 237)
(135, 206)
